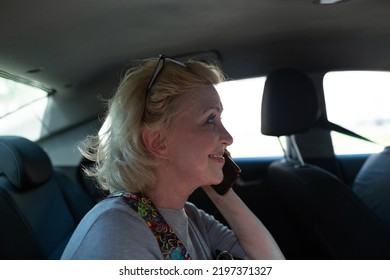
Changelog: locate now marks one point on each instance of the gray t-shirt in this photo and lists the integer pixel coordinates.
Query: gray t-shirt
(113, 230)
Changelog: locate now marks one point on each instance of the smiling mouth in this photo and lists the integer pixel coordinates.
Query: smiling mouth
(215, 156)
(219, 158)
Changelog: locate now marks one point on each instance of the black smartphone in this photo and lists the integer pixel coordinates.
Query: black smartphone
(231, 173)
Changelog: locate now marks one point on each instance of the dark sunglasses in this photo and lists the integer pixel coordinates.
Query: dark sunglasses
(159, 67)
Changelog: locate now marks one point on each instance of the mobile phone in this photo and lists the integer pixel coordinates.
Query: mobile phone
(231, 173)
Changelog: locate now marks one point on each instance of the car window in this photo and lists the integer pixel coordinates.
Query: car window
(359, 101)
(241, 100)
(22, 108)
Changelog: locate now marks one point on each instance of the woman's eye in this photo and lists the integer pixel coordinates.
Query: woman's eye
(211, 120)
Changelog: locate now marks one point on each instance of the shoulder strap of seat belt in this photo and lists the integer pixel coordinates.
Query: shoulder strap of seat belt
(322, 122)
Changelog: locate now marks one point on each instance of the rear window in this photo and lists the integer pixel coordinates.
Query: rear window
(359, 101)
(22, 106)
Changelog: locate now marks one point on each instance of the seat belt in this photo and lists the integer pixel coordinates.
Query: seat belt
(323, 123)
(331, 164)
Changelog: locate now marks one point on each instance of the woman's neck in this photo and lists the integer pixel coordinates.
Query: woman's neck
(171, 190)
(167, 197)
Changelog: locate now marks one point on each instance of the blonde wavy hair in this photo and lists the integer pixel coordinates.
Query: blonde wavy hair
(121, 160)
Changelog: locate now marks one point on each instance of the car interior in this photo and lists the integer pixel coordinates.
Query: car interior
(76, 52)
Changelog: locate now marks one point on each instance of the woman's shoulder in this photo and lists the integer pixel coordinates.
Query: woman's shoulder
(108, 213)
(110, 210)
(107, 206)
(108, 223)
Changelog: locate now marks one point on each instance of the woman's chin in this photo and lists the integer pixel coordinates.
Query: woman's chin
(217, 180)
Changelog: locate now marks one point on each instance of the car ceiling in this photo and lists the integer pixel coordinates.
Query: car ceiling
(74, 43)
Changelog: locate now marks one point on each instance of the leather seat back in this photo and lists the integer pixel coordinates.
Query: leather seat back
(40, 206)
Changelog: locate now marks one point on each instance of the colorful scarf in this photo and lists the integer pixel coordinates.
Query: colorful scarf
(171, 246)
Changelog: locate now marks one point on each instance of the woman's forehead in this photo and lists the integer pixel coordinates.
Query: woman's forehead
(200, 98)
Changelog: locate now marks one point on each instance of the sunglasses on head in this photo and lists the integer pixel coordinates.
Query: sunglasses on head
(160, 66)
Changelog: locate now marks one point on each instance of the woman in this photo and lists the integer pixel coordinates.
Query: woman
(165, 139)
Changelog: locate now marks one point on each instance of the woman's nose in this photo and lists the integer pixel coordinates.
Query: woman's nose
(226, 138)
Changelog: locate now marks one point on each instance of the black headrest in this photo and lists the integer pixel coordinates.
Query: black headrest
(24, 162)
(290, 103)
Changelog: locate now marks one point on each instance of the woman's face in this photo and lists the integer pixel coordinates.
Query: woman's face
(196, 138)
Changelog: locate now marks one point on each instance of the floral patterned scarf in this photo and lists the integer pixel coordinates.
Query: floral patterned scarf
(171, 246)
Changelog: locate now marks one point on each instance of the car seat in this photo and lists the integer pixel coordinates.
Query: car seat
(39, 206)
(372, 184)
(340, 226)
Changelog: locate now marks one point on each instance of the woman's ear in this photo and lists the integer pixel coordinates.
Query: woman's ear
(154, 141)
